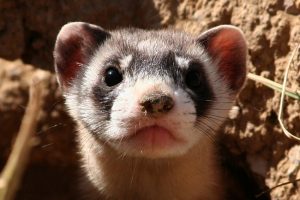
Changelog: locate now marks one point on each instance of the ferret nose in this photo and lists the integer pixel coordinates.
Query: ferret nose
(156, 104)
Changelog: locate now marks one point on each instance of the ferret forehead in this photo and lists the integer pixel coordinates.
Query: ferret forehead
(151, 42)
(154, 45)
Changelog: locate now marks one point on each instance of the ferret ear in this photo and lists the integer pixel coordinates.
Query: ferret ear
(227, 46)
(74, 46)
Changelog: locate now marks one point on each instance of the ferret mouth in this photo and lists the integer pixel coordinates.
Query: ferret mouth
(152, 137)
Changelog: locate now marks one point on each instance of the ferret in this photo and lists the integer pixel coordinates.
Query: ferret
(148, 104)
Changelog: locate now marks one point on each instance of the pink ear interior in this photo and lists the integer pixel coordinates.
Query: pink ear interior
(226, 44)
(74, 46)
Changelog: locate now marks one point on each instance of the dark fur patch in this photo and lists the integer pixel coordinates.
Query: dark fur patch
(103, 99)
(143, 66)
(202, 96)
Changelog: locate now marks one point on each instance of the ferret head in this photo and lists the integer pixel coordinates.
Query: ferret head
(149, 93)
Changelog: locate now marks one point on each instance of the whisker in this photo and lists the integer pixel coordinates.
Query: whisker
(49, 128)
(220, 109)
(216, 116)
(210, 100)
(217, 119)
(133, 171)
(207, 134)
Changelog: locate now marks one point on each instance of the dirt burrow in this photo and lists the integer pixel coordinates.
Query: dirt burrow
(272, 29)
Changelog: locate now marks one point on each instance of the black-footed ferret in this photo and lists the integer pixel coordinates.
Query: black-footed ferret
(148, 105)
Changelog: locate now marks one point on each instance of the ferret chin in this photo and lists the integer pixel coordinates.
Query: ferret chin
(148, 105)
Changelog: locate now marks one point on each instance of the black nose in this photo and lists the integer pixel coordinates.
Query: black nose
(156, 104)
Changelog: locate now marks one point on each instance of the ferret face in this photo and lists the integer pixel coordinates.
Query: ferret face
(148, 93)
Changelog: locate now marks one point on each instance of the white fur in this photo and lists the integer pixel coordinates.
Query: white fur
(126, 117)
(182, 62)
(152, 47)
(124, 62)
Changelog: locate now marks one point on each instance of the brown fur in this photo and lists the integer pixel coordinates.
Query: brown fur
(192, 176)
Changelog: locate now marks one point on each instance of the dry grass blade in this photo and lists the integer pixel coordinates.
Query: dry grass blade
(270, 189)
(281, 88)
(286, 132)
(17, 161)
(273, 85)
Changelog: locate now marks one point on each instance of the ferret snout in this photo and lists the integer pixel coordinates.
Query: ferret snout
(156, 104)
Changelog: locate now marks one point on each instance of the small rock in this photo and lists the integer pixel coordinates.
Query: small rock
(234, 112)
(292, 6)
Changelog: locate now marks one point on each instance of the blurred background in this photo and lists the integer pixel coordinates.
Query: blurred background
(252, 133)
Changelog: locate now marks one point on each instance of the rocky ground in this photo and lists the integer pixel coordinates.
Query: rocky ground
(272, 29)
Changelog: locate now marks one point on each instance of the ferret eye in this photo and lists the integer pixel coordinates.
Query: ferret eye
(193, 79)
(112, 76)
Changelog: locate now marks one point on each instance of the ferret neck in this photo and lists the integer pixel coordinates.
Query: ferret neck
(194, 173)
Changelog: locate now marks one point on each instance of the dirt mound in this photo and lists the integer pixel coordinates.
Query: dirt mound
(272, 29)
